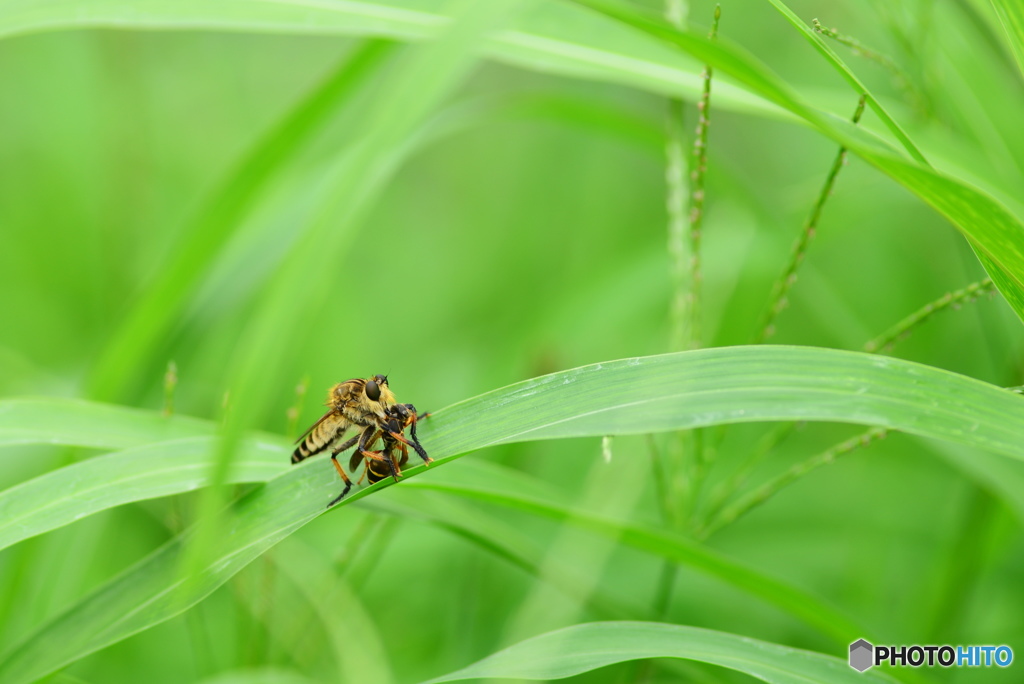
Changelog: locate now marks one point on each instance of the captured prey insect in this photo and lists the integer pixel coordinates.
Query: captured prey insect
(369, 405)
(400, 417)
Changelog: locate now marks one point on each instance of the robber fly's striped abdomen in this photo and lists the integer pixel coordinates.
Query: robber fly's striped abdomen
(327, 429)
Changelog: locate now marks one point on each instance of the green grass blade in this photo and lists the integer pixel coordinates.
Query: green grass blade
(553, 38)
(160, 469)
(582, 648)
(677, 549)
(990, 227)
(631, 396)
(73, 422)
(292, 302)
(1002, 477)
(826, 51)
(498, 537)
(203, 239)
(1011, 16)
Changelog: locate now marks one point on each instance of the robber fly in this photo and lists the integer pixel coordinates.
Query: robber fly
(400, 417)
(367, 404)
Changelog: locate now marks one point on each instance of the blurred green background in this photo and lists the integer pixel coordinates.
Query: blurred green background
(524, 232)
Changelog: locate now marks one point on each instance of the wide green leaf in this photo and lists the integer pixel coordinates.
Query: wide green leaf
(582, 648)
(166, 468)
(630, 396)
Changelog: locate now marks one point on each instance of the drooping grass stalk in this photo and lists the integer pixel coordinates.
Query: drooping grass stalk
(170, 383)
(778, 300)
(679, 245)
(769, 489)
(902, 80)
(880, 344)
(738, 477)
(955, 299)
(693, 459)
(678, 475)
(687, 256)
(698, 170)
(670, 466)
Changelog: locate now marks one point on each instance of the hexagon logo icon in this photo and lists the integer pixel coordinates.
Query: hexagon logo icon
(861, 655)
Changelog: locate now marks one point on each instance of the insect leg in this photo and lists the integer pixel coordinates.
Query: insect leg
(366, 440)
(416, 440)
(348, 482)
(337, 466)
(346, 445)
(395, 463)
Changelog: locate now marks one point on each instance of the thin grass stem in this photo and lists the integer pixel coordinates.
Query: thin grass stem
(752, 500)
(900, 77)
(885, 342)
(736, 480)
(778, 300)
(698, 171)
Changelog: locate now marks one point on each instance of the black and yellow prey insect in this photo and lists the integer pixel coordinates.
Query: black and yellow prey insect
(400, 417)
(367, 404)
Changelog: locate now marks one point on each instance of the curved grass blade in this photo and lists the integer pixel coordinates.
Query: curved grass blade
(554, 38)
(264, 675)
(73, 422)
(832, 58)
(68, 494)
(567, 45)
(202, 240)
(677, 549)
(989, 226)
(1011, 16)
(292, 302)
(582, 648)
(631, 396)
(498, 537)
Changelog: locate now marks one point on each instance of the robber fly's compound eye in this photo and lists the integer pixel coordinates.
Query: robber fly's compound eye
(373, 390)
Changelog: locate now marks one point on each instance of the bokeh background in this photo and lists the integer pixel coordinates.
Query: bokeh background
(524, 233)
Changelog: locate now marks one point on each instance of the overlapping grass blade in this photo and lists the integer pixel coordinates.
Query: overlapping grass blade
(582, 648)
(73, 422)
(498, 537)
(71, 493)
(631, 396)
(832, 58)
(677, 549)
(554, 38)
(203, 239)
(989, 226)
(292, 302)
(1011, 15)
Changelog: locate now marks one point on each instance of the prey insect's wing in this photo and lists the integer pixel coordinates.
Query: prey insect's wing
(353, 462)
(357, 455)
